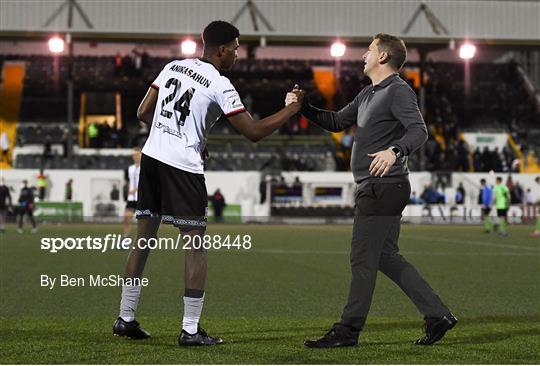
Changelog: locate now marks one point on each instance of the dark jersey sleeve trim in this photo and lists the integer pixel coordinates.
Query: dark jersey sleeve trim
(154, 86)
(235, 112)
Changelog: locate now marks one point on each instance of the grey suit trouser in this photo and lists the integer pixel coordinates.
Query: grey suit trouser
(374, 247)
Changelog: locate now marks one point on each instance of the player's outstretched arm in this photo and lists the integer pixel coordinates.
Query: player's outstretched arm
(330, 120)
(255, 130)
(145, 112)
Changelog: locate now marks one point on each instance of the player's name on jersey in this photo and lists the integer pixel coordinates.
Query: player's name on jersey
(97, 280)
(192, 74)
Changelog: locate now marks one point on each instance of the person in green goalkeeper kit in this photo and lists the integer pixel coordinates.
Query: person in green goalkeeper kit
(502, 202)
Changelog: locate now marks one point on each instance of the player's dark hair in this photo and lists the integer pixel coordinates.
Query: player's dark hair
(482, 181)
(218, 33)
(394, 47)
(498, 179)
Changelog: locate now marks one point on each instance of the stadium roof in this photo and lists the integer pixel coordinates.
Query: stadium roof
(292, 22)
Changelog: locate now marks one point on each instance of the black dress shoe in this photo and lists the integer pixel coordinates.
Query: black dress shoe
(339, 336)
(201, 338)
(435, 328)
(132, 329)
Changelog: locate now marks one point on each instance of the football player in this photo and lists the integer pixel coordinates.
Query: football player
(132, 178)
(502, 203)
(182, 104)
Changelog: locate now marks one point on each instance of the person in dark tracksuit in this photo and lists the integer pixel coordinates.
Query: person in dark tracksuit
(26, 207)
(5, 204)
(390, 127)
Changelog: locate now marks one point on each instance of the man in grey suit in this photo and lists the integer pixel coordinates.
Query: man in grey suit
(390, 127)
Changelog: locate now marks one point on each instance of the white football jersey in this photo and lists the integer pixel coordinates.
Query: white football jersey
(133, 181)
(192, 96)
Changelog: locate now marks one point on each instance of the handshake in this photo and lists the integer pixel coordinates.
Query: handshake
(295, 97)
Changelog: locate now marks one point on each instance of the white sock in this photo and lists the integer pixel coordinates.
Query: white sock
(192, 313)
(129, 301)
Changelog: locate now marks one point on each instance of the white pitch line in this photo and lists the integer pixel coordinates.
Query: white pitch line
(470, 242)
(296, 251)
(337, 252)
(482, 254)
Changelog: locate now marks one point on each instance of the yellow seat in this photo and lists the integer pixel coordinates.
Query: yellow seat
(10, 104)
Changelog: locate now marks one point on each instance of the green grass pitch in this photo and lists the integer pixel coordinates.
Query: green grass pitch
(265, 301)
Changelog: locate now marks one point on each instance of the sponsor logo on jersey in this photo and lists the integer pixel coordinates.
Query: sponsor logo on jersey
(234, 101)
(167, 129)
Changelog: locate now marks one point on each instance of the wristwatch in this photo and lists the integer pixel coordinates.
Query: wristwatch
(396, 151)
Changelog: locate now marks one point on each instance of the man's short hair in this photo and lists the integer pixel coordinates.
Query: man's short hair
(483, 181)
(218, 33)
(498, 179)
(394, 47)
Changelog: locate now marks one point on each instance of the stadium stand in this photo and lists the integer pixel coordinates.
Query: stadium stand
(449, 112)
